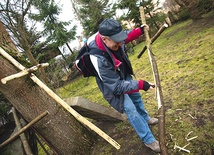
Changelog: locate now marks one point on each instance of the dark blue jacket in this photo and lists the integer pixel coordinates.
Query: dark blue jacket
(110, 80)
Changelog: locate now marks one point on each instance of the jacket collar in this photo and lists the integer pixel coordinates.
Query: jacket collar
(99, 42)
(101, 46)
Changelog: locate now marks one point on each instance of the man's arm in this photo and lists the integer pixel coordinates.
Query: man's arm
(136, 33)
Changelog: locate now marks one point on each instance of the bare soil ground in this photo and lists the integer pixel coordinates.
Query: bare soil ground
(125, 135)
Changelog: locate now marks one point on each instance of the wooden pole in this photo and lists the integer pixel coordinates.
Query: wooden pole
(22, 136)
(23, 129)
(161, 119)
(23, 73)
(79, 117)
(42, 146)
(40, 138)
(157, 34)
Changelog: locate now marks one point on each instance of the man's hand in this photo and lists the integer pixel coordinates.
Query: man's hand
(144, 85)
(152, 86)
(146, 26)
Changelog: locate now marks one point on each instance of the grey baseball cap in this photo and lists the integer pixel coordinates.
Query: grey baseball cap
(113, 29)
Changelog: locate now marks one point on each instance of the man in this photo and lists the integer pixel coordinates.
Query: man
(114, 77)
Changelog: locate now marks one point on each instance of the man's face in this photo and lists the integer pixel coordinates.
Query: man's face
(111, 44)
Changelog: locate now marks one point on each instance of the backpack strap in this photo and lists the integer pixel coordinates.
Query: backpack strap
(101, 53)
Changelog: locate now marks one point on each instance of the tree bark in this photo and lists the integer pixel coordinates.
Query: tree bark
(29, 54)
(5, 40)
(59, 128)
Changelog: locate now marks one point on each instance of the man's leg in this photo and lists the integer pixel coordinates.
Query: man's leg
(137, 121)
(138, 102)
(140, 124)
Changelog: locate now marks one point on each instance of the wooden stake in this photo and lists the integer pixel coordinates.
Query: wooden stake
(153, 38)
(79, 117)
(39, 137)
(42, 146)
(23, 73)
(22, 136)
(161, 119)
(23, 129)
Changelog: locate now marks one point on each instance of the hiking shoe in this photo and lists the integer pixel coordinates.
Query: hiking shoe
(152, 121)
(154, 146)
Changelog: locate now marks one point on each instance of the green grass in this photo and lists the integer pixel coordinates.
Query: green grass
(184, 54)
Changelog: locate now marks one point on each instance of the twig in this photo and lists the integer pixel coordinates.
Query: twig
(186, 145)
(188, 134)
(189, 139)
(179, 118)
(181, 148)
(171, 136)
(192, 116)
(192, 138)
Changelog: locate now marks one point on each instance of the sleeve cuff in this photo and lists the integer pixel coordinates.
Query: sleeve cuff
(143, 85)
(142, 29)
(140, 84)
(146, 86)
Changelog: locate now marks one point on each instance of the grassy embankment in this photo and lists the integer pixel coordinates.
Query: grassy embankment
(185, 58)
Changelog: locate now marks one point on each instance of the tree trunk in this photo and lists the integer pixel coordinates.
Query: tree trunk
(192, 7)
(69, 48)
(155, 23)
(5, 40)
(29, 54)
(59, 128)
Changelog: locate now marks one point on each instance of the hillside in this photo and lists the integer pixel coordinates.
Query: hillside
(184, 54)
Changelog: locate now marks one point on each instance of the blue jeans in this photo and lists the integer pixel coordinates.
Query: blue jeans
(138, 116)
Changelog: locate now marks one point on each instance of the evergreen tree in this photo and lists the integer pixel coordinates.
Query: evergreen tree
(21, 19)
(54, 29)
(14, 16)
(195, 9)
(91, 13)
(132, 14)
